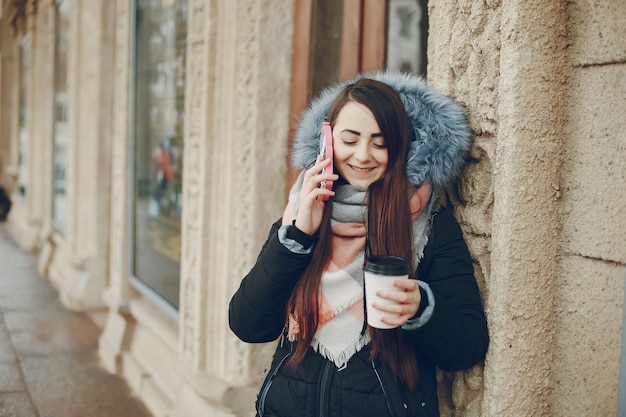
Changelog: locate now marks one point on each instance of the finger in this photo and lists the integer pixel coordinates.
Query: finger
(314, 177)
(401, 297)
(405, 303)
(318, 172)
(317, 198)
(318, 166)
(313, 170)
(397, 322)
(395, 308)
(406, 284)
(407, 291)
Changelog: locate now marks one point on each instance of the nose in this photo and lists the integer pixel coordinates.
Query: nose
(362, 152)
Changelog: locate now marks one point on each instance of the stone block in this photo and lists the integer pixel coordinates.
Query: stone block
(597, 32)
(594, 165)
(587, 337)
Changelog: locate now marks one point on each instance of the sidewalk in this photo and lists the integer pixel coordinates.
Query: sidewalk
(49, 363)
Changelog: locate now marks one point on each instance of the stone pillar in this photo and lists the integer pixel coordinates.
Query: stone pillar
(506, 62)
(13, 30)
(39, 161)
(28, 224)
(525, 244)
(9, 90)
(113, 340)
(78, 262)
(238, 67)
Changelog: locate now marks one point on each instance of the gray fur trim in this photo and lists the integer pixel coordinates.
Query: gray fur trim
(442, 137)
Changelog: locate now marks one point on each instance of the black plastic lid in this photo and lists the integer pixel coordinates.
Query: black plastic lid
(387, 265)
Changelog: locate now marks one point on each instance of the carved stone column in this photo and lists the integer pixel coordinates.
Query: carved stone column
(39, 160)
(238, 69)
(13, 28)
(9, 99)
(80, 253)
(112, 341)
(39, 149)
(39, 153)
(28, 211)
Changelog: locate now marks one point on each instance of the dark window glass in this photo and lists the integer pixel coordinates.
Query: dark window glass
(407, 35)
(59, 149)
(326, 43)
(159, 56)
(23, 116)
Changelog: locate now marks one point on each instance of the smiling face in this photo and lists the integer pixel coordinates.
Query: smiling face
(360, 153)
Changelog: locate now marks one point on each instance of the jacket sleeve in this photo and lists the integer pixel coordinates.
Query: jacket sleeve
(456, 335)
(257, 310)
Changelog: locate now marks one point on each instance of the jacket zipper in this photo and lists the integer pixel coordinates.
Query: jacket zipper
(268, 383)
(382, 386)
(323, 390)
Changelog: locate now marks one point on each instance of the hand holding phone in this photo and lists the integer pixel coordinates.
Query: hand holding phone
(326, 150)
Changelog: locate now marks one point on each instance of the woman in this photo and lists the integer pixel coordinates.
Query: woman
(396, 145)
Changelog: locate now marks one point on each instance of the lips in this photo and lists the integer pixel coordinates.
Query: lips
(362, 170)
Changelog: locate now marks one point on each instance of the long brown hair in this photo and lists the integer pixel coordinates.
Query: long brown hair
(389, 228)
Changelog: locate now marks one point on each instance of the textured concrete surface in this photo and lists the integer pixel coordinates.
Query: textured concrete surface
(49, 364)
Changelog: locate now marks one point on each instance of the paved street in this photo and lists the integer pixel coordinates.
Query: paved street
(49, 364)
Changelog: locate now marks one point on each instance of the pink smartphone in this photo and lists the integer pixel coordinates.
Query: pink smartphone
(326, 150)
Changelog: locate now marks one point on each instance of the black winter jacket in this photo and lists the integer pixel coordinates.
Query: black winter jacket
(454, 338)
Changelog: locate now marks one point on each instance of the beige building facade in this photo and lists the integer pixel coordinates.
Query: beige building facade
(542, 204)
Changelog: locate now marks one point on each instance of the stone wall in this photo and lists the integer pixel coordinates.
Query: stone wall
(590, 283)
(541, 206)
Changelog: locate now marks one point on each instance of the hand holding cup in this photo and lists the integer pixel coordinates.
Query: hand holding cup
(391, 298)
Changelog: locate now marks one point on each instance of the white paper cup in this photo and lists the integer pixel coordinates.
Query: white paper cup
(380, 272)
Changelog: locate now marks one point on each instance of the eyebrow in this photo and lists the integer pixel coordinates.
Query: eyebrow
(357, 133)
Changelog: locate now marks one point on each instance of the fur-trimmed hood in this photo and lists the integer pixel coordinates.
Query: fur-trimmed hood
(441, 135)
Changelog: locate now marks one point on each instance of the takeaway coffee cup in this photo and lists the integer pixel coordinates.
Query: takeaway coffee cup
(380, 272)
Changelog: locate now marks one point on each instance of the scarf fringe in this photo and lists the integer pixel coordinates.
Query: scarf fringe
(341, 359)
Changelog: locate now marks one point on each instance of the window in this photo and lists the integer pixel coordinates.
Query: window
(23, 114)
(407, 35)
(326, 43)
(59, 141)
(160, 35)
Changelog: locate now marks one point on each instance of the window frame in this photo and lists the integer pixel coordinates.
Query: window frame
(138, 284)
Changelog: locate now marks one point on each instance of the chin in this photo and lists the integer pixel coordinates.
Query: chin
(361, 183)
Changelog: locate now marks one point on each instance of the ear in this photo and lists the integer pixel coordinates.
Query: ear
(420, 198)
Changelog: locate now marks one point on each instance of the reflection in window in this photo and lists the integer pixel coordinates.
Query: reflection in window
(59, 150)
(23, 116)
(326, 44)
(407, 35)
(160, 42)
